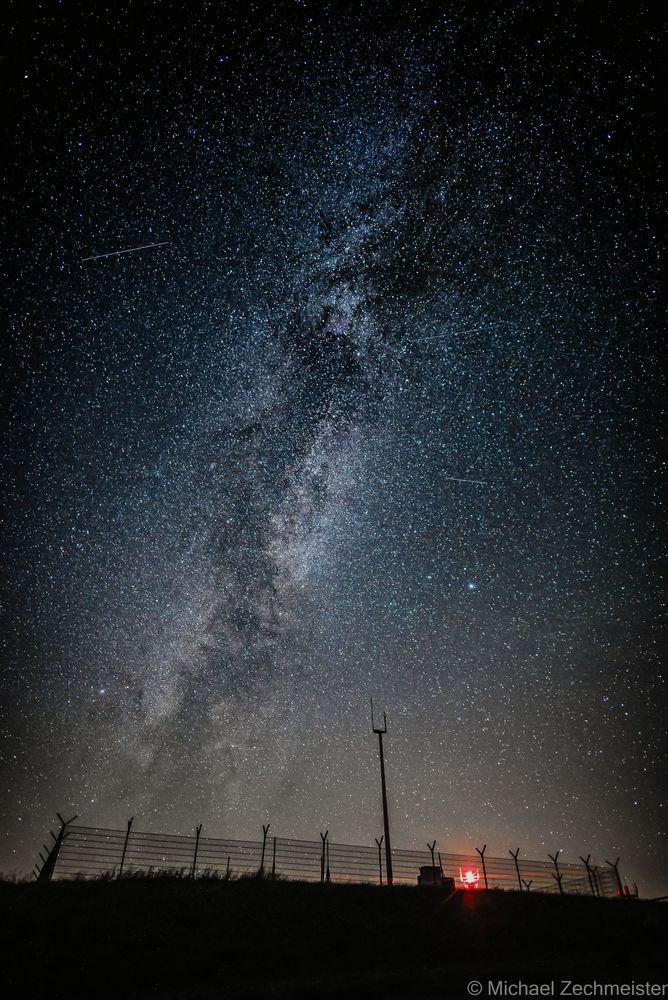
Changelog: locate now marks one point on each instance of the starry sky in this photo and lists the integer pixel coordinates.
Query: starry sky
(382, 418)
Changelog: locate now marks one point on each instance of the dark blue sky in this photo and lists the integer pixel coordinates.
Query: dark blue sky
(381, 418)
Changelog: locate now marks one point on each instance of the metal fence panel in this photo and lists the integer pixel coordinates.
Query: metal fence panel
(97, 852)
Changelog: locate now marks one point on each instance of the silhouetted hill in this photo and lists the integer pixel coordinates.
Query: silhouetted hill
(178, 938)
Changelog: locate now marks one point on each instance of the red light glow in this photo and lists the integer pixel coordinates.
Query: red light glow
(469, 878)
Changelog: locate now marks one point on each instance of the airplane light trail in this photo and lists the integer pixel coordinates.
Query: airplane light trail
(117, 253)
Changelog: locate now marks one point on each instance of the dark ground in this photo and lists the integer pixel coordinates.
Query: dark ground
(178, 939)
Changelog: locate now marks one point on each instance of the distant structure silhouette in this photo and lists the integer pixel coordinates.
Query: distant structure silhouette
(386, 821)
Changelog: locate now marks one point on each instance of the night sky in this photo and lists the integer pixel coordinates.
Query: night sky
(383, 418)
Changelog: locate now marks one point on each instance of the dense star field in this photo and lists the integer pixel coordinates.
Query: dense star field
(382, 418)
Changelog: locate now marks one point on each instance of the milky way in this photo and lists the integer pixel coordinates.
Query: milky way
(380, 417)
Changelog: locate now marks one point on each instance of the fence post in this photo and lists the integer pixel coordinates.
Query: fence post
(585, 862)
(517, 867)
(615, 867)
(379, 843)
(273, 860)
(556, 874)
(482, 859)
(328, 877)
(265, 831)
(595, 878)
(527, 884)
(431, 851)
(323, 837)
(198, 830)
(125, 845)
(227, 870)
(49, 865)
(440, 864)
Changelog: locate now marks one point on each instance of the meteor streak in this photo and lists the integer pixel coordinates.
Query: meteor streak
(117, 253)
(476, 482)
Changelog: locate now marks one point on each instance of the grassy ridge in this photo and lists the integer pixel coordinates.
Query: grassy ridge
(178, 938)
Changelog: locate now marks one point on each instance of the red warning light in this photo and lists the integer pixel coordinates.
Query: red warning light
(469, 877)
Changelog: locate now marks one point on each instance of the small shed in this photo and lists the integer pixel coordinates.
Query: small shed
(433, 876)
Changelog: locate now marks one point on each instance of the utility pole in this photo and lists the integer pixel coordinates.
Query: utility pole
(386, 821)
